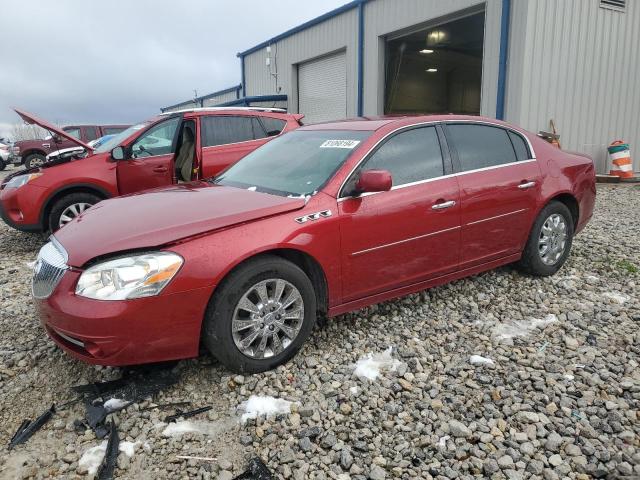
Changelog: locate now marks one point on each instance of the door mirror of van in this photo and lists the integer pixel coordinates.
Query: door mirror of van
(117, 153)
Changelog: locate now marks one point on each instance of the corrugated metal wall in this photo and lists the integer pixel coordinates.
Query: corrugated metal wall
(218, 99)
(577, 63)
(338, 33)
(181, 106)
(386, 17)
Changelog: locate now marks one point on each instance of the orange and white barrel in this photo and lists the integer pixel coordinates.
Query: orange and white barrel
(620, 156)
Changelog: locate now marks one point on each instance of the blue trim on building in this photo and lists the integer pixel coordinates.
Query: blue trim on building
(245, 101)
(304, 26)
(242, 79)
(360, 58)
(505, 23)
(201, 99)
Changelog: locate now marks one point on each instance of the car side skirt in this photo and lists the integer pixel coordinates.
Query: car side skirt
(417, 287)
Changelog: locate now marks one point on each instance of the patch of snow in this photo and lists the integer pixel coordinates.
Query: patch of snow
(353, 390)
(370, 365)
(92, 458)
(442, 443)
(129, 448)
(616, 297)
(179, 428)
(30, 265)
(568, 376)
(262, 405)
(521, 328)
(478, 360)
(115, 404)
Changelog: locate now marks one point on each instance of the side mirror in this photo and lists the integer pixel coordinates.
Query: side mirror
(117, 153)
(374, 181)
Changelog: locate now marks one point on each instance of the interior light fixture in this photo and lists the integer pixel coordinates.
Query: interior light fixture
(432, 70)
(426, 51)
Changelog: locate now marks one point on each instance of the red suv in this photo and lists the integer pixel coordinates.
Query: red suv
(328, 218)
(168, 149)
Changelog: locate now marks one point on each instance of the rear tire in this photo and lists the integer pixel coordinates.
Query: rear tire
(226, 324)
(34, 160)
(69, 207)
(549, 242)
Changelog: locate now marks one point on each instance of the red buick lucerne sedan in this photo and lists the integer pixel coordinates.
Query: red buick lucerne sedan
(322, 220)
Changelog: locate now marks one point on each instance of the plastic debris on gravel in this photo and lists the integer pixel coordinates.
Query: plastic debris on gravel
(371, 365)
(92, 458)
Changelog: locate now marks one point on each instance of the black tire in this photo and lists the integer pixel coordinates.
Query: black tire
(531, 261)
(3, 165)
(217, 326)
(34, 158)
(61, 205)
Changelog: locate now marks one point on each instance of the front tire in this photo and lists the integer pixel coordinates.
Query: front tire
(260, 316)
(34, 160)
(69, 207)
(549, 242)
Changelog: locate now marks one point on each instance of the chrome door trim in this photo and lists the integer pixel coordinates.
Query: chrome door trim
(497, 216)
(399, 242)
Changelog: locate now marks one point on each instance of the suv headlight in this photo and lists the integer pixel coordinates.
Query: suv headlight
(20, 180)
(129, 277)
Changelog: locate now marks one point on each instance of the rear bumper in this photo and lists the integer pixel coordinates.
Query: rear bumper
(119, 333)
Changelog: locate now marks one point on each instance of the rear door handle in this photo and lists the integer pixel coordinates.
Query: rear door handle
(524, 186)
(443, 205)
(160, 169)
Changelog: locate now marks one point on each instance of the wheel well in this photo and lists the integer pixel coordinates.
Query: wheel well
(309, 266)
(572, 204)
(31, 152)
(58, 195)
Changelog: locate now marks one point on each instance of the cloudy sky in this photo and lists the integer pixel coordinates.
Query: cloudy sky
(78, 61)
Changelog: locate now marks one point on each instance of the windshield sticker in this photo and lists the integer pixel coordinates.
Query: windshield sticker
(349, 144)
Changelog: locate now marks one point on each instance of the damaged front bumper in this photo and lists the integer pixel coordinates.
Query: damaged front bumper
(127, 332)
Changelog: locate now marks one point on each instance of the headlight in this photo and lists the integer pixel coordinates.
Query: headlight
(129, 277)
(20, 180)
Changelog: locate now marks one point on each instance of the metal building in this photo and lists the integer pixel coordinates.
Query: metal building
(525, 61)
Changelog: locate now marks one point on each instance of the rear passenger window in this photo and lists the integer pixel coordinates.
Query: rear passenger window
(223, 129)
(410, 156)
(91, 133)
(273, 126)
(481, 146)
(522, 151)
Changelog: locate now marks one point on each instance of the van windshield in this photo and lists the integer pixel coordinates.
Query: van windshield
(298, 163)
(116, 140)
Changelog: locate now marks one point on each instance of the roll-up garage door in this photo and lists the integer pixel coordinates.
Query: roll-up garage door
(322, 89)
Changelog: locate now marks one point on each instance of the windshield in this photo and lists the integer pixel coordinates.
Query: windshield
(116, 140)
(298, 163)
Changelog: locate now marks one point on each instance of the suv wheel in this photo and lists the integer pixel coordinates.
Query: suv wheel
(69, 207)
(34, 160)
(550, 241)
(260, 316)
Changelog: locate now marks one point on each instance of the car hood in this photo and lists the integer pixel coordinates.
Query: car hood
(32, 119)
(165, 215)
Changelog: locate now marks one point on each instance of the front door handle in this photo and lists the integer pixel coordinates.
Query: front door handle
(161, 169)
(443, 205)
(525, 185)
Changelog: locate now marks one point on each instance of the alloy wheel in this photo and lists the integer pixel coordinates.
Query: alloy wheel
(553, 239)
(71, 212)
(268, 318)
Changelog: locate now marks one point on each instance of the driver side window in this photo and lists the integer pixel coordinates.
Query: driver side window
(157, 140)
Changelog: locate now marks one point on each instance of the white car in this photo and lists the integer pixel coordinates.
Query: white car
(4, 155)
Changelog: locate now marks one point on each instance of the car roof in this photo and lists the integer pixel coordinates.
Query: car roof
(375, 123)
(226, 110)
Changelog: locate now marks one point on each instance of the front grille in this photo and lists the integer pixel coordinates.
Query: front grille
(49, 268)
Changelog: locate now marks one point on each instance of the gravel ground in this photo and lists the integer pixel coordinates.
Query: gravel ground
(559, 398)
